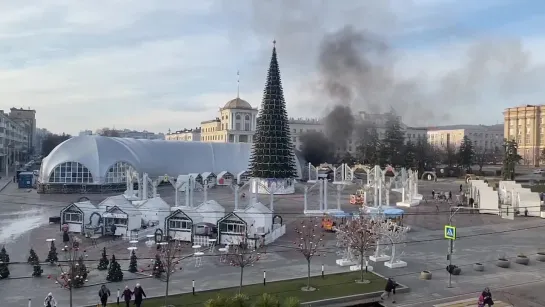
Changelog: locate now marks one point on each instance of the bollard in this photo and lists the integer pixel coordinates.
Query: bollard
(117, 297)
(193, 286)
(264, 278)
(323, 276)
(29, 302)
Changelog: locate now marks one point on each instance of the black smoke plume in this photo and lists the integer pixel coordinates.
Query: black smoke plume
(339, 126)
(316, 148)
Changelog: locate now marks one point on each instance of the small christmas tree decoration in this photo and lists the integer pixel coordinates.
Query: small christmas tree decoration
(52, 256)
(37, 270)
(114, 271)
(4, 257)
(158, 267)
(32, 257)
(4, 262)
(133, 264)
(79, 273)
(103, 263)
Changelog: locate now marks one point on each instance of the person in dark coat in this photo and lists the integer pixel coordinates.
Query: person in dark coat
(389, 290)
(127, 295)
(103, 294)
(139, 295)
(486, 298)
(113, 228)
(65, 237)
(461, 188)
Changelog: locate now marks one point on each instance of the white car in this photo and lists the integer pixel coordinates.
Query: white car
(539, 171)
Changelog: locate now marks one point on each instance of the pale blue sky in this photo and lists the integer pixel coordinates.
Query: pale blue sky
(166, 64)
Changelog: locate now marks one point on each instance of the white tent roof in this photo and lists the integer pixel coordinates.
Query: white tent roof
(155, 203)
(154, 157)
(258, 207)
(190, 212)
(119, 201)
(210, 206)
(223, 173)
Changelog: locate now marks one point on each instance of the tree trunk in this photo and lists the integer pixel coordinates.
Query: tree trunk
(70, 288)
(241, 274)
(308, 273)
(166, 290)
(361, 266)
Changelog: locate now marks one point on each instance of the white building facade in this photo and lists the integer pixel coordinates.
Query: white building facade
(186, 135)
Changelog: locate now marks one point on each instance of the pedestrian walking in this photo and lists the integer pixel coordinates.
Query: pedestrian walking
(127, 295)
(432, 194)
(103, 294)
(139, 295)
(389, 290)
(461, 188)
(50, 301)
(113, 228)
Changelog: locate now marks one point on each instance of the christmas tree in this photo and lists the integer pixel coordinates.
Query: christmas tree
(52, 256)
(103, 263)
(35, 262)
(272, 155)
(37, 269)
(114, 272)
(79, 273)
(158, 267)
(4, 257)
(133, 264)
(32, 257)
(4, 262)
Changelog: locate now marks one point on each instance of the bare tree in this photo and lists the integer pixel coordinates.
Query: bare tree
(73, 271)
(359, 235)
(482, 156)
(309, 240)
(167, 261)
(241, 256)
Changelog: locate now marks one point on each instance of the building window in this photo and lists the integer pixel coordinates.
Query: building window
(233, 227)
(247, 117)
(231, 138)
(237, 126)
(247, 126)
(243, 138)
(72, 217)
(71, 172)
(182, 224)
(237, 117)
(117, 173)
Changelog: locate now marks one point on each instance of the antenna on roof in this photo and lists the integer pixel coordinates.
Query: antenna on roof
(238, 84)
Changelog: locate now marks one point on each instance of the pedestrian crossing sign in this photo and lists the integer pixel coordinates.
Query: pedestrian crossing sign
(450, 232)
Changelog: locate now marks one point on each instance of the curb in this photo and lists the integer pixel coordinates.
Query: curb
(4, 186)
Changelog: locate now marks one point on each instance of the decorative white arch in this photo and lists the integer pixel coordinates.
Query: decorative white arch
(429, 176)
(70, 173)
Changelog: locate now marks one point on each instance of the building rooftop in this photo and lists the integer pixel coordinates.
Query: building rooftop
(238, 103)
(498, 127)
(216, 120)
(185, 130)
(301, 120)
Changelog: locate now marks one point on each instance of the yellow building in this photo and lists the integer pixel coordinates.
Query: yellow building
(526, 125)
(236, 123)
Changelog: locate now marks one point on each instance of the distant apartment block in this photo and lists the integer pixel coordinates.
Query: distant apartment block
(483, 137)
(27, 119)
(187, 135)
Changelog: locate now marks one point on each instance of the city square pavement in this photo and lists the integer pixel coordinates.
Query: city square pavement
(482, 239)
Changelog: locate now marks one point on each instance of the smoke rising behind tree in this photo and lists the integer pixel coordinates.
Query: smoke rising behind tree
(350, 50)
(339, 125)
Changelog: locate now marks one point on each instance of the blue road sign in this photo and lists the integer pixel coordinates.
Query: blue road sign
(450, 232)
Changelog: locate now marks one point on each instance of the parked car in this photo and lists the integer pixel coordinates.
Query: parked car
(539, 171)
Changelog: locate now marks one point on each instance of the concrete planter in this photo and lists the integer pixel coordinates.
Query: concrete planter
(456, 271)
(426, 275)
(479, 267)
(503, 263)
(522, 260)
(540, 256)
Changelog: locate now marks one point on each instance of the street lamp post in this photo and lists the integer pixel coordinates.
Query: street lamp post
(451, 244)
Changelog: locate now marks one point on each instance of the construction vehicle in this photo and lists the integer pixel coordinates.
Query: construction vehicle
(358, 199)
